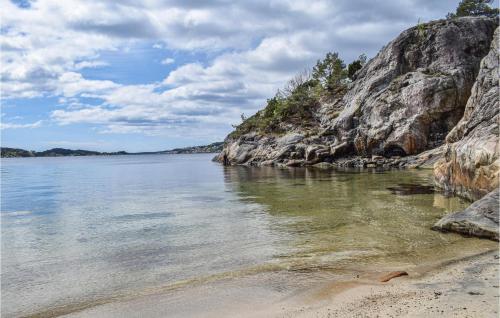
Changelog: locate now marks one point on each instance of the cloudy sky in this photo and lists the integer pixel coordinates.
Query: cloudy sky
(157, 74)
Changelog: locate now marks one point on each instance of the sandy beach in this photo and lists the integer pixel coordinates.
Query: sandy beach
(465, 288)
(468, 287)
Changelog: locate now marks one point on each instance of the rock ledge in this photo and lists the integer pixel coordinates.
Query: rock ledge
(479, 219)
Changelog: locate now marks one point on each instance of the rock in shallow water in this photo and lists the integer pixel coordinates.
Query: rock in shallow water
(479, 219)
(411, 189)
(323, 165)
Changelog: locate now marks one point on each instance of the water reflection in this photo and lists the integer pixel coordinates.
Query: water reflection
(335, 218)
(411, 189)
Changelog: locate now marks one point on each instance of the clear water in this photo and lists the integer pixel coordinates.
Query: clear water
(78, 231)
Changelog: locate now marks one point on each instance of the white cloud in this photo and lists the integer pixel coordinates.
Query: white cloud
(21, 126)
(90, 64)
(71, 84)
(167, 61)
(255, 46)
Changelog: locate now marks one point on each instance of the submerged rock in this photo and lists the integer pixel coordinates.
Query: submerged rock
(411, 189)
(470, 166)
(323, 165)
(479, 219)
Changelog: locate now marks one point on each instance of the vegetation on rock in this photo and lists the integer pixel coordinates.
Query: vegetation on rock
(355, 66)
(297, 102)
(211, 148)
(330, 73)
(6, 152)
(474, 8)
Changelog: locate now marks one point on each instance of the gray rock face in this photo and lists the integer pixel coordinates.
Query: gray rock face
(291, 150)
(404, 101)
(471, 164)
(414, 91)
(479, 219)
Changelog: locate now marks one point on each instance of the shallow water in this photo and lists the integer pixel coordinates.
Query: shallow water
(78, 231)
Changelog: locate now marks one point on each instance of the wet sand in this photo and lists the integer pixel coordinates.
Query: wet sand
(468, 287)
(465, 288)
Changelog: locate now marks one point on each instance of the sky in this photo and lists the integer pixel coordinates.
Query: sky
(158, 74)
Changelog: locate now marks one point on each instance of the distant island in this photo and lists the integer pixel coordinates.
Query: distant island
(6, 152)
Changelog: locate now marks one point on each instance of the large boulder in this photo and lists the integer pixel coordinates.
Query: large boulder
(470, 165)
(407, 98)
(479, 219)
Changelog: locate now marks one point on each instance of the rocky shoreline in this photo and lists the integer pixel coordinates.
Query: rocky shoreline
(398, 105)
(423, 160)
(479, 219)
(429, 99)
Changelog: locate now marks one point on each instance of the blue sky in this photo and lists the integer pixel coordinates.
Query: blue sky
(157, 74)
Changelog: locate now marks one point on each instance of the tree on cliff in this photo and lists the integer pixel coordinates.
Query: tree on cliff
(330, 72)
(297, 101)
(474, 8)
(355, 66)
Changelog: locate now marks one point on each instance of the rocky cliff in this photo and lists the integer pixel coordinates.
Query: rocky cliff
(470, 165)
(415, 90)
(402, 102)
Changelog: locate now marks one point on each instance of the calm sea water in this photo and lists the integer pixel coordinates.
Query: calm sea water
(78, 231)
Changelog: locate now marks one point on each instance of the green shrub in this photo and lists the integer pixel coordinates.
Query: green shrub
(298, 100)
(356, 66)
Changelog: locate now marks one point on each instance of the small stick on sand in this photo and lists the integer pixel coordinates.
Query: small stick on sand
(392, 275)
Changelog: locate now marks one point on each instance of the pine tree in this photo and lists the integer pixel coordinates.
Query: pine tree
(330, 72)
(474, 8)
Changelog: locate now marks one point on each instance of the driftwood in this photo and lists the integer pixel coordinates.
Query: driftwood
(392, 275)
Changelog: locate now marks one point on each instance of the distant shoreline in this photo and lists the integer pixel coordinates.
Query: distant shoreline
(6, 152)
